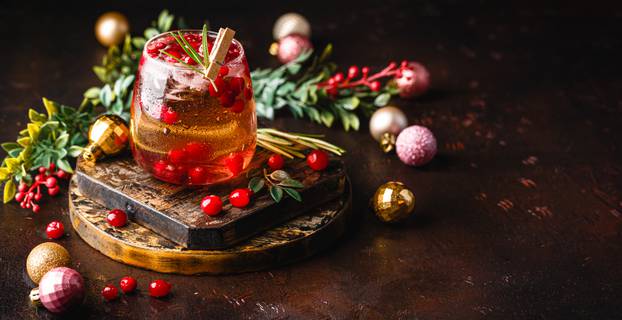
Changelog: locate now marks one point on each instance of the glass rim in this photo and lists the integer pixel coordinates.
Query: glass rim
(177, 65)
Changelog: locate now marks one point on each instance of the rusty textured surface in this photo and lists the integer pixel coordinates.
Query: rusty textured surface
(518, 217)
(172, 210)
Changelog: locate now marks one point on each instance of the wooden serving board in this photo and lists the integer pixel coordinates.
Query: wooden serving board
(174, 213)
(136, 245)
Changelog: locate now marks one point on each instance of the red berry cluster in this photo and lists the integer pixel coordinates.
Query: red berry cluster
(157, 288)
(29, 196)
(170, 45)
(339, 82)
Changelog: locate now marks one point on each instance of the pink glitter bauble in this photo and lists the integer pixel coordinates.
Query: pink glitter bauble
(413, 81)
(60, 289)
(415, 145)
(291, 46)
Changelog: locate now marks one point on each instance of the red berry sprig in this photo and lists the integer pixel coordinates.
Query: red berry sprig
(339, 82)
(29, 196)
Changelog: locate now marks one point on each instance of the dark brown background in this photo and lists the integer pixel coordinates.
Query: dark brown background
(522, 90)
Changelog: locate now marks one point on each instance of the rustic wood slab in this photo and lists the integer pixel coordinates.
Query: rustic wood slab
(136, 245)
(173, 211)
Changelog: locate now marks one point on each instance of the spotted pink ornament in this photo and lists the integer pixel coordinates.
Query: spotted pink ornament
(291, 46)
(60, 289)
(413, 80)
(415, 145)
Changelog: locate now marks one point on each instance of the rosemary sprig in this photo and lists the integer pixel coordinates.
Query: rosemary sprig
(290, 144)
(201, 60)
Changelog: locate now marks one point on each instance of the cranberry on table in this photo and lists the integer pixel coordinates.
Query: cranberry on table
(159, 288)
(127, 284)
(55, 229)
(110, 292)
(276, 161)
(211, 205)
(240, 198)
(116, 218)
(317, 160)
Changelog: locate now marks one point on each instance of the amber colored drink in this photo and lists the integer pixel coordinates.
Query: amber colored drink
(184, 129)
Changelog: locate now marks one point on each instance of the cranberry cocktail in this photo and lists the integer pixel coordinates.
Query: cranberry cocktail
(185, 128)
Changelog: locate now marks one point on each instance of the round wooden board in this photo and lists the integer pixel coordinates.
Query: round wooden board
(138, 246)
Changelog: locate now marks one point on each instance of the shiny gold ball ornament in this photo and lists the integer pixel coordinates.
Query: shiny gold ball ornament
(393, 202)
(291, 23)
(108, 136)
(111, 28)
(385, 124)
(45, 257)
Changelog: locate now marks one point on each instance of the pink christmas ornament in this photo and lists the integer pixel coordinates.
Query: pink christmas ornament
(291, 46)
(412, 80)
(416, 145)
(60, 289)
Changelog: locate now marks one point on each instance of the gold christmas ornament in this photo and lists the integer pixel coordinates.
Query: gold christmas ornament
(45, 257)
(108, 136)
(291, 23)
(111, 28)
(393, 202)
(385, 124)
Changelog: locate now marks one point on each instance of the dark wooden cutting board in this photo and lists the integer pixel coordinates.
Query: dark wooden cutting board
(173, 211)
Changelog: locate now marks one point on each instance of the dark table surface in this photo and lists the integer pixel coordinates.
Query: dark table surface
(519, 215)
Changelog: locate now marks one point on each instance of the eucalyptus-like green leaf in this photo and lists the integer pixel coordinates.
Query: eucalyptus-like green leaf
(292, 183)
(139, 42)
(276, 193)
(9, 191)
(8, 146)
(382, 99)
(293, 193)
(279, 175)
(61, 140)
(256, 184)
(64, 165)
(151, 32)
(105, 96)
(92, 93)
(327, 118)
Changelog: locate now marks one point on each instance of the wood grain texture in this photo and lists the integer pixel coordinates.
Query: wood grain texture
(136, 245)
(174, 212)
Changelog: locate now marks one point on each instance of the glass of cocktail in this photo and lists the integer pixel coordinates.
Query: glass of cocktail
(186, 128)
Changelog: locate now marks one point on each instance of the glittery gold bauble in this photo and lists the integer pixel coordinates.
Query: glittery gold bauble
(45, 257)
(393, 202)
(108, 136)
(111, 28)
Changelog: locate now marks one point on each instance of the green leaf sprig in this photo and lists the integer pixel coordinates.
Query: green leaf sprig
(300, 86)
(279, 183)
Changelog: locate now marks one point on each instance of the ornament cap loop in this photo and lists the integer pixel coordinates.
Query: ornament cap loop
(92, 152)
(387, 142)
(34, 297)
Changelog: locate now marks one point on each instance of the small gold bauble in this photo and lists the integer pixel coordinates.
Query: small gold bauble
(45, 257)
(108, 136)
(393, 202)
(111, 28)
